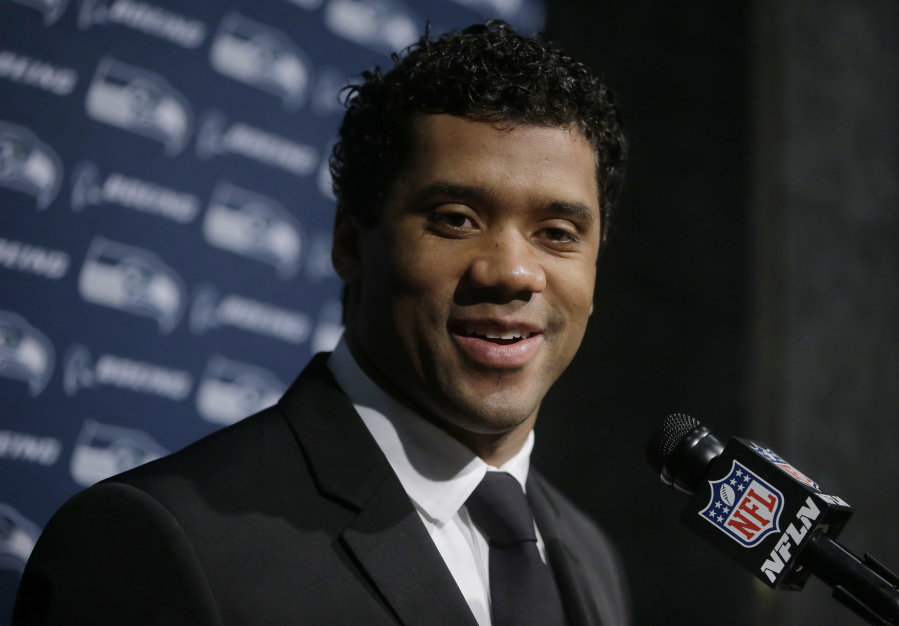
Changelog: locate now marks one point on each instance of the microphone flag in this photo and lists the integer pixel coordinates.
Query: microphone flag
(760, 511)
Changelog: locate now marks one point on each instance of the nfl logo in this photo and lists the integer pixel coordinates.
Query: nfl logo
(768, 454)
(782, 464)
(744, 507)
(795, 473)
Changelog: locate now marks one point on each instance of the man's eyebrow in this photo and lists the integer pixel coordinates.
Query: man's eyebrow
(562, 208)
(576, 210)
(454, 190)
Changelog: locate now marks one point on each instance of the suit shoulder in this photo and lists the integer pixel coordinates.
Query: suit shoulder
(244, 448)
(255, 464)
(107, 555)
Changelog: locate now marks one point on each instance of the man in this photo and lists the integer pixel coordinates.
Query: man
(391, 484)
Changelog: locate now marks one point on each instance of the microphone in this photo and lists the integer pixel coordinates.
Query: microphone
(768, 516)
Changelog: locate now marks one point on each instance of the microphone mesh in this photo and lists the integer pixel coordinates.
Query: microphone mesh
(665, 439)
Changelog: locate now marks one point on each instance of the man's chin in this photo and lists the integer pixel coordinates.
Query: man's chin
(489, 411)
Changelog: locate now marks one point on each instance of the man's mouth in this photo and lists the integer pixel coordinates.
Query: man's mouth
(498, 344)
(503, 339)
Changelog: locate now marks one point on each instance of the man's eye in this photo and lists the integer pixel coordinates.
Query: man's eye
(455, 220)
(559, 235)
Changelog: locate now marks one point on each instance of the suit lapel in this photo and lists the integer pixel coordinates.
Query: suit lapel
(387, 537)
(396, 551)
(576, 595)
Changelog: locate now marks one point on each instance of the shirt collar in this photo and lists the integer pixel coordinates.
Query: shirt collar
(437, 471)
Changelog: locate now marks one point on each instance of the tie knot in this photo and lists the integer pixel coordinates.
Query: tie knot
(498, 505)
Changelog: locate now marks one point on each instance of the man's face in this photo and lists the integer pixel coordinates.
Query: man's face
(475, 287)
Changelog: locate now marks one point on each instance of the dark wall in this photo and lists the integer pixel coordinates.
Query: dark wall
(670, 331)
(826, 384)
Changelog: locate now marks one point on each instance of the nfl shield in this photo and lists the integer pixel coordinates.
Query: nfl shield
(783, 465)
(744, 507)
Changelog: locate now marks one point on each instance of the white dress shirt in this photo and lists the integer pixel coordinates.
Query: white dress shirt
(438, 472)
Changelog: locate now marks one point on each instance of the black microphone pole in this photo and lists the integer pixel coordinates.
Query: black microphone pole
(768, 516)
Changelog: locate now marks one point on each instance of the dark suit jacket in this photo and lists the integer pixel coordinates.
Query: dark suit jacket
(291, 516)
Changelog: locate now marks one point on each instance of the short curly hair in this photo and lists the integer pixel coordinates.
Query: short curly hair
(486, 72)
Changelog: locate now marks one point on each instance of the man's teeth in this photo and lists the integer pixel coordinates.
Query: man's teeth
(511, 335)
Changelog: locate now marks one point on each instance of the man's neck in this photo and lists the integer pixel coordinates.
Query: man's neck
(493, 448)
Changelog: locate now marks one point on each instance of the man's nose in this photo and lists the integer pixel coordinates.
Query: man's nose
(507, 264)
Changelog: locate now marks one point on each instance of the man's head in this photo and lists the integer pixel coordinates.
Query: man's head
(475, 182)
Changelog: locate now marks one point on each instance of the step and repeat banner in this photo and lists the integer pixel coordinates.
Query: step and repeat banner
(165, 221)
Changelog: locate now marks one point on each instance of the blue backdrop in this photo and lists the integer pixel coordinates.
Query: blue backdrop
(165, 221)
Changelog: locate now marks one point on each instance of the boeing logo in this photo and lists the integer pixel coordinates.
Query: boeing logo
(253, 226)
(59, 81)
(29, 448)
(28, 165)
(24, 257)
(209, 311)
(17, 538)
(80, 372)
(143, 17)
(25, 352)
(382, 25)
(262, 57)
(230, 390)
(217, 138)
(132, 193)
(140, 102)
(132, 280)
(103, 450)
(52, 9)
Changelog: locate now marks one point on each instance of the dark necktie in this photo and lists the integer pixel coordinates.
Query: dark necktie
(523, 591)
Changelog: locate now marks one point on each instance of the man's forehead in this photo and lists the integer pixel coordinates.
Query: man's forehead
(459, 130)
(444, 146)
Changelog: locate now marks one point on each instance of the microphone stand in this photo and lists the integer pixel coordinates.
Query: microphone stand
(682, 451)
(866, 587)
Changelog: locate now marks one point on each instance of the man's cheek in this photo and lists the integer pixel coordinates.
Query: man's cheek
(415, 274)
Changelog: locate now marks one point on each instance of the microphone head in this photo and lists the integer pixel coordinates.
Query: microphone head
(665, 439)
(681, 450)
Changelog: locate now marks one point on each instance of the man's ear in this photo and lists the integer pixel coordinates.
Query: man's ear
(346, 250)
